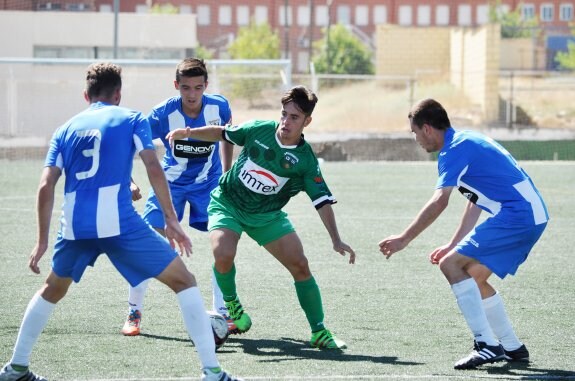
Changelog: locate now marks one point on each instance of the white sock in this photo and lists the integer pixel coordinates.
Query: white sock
(35, 319)
(136, 296)
(469, 301)
(218, 303)
(499, 322)
(198, 326)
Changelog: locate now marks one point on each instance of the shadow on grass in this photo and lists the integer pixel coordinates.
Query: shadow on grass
(529, 371)
(167, 338)
(288, 349)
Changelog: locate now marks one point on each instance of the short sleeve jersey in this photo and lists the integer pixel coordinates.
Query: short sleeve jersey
(267, 174)
(487, 175)
(190, 161)
(95, 149)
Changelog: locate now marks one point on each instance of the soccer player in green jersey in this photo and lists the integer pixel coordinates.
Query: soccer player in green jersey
(275, 164)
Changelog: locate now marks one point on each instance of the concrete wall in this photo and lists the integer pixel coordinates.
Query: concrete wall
(521, 54)
(469, 57)
(21, 31)
(475, 66)
(408, 51)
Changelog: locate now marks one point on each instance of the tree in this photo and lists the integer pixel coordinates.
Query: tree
(165, 9)
(340, 52)
(512, 23)
(255, 41)
(566, 60)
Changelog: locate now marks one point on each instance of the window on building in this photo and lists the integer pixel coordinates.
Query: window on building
(285, 14)
(185, 9)
(380, 14)
(106, 8)
(343, 15)
(405, 17)
(361, 15)
(527, 11)
(242, 15)
(321, 15)
(423, 15)
(49, 6)
(566, 12)
(261, 14)
(547, 12)
(442, 15)
(464, 15)
(77, 7)
(482, 16)
(225, 15)
(303, 15)
(204, 15)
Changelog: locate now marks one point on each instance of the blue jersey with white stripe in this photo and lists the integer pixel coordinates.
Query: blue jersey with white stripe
(487, 175)
(95, 150)
(190, 161)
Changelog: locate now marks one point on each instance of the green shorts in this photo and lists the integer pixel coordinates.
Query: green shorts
(261, 227)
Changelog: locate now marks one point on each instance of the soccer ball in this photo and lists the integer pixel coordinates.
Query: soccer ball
(219, 327)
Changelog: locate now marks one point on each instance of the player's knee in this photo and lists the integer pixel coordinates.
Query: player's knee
(53, 293)
(299, 268)
(181, 281)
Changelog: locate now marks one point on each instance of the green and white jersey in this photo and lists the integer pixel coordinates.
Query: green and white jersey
(267, 174)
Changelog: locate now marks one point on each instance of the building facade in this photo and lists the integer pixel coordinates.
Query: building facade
(300, 22)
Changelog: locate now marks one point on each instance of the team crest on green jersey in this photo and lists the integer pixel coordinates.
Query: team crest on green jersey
(289, 160)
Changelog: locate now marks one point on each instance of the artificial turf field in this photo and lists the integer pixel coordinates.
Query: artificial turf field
(398, 316)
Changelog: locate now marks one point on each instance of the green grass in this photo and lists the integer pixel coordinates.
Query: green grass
(398, 316)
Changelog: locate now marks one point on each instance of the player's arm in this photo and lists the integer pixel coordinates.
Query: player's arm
(429, 213)
(206, 133)
(469, 219)
(328, 218)
(173, 230)
(44, 207)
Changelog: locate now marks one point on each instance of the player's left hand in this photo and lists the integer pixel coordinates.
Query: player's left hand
(392, 245)
(342, 248)
(440, 252)
(135, 189)
(35, 257)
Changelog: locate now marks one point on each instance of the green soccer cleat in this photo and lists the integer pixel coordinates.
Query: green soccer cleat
(324, 339)
(237, 314)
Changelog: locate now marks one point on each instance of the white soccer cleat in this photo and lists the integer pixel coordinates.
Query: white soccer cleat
(9, 374)
(217, 374)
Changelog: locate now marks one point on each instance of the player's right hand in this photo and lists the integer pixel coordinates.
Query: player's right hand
(35, 257)
(177, 134)
(175, 235)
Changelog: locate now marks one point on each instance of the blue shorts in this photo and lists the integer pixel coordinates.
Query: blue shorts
(198, 197)
(138, 255)
(500, 246)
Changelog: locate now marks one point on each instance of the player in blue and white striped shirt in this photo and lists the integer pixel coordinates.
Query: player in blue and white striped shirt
(192, 168)
(95, 150)
(490, 178)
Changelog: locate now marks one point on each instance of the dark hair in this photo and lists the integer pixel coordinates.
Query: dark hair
(191, 67)
(303, 98)
(429, 111)
(103, 79)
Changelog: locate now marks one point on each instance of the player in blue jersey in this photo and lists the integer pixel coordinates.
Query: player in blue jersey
(490, 178)
(192, 168)
(95, 150)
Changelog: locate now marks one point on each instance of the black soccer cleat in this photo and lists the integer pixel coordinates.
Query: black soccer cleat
(482, 354)
(520, 354)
